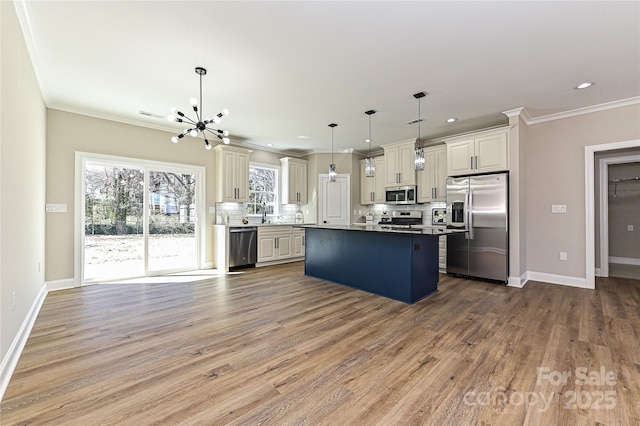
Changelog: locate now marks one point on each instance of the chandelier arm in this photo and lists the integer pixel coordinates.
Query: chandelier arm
(188, 120)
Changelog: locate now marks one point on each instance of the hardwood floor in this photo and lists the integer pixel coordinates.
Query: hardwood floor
(271, 346)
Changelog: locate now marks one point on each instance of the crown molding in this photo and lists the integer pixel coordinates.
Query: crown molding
(526, 117)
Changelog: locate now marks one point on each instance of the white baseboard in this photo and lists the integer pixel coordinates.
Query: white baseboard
(557, 279)
(518, 282)
(61, 284)
(208, 265)
(624, 260)
(10, 360)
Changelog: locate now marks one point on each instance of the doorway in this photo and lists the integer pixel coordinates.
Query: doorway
(590, 204)
(334, 200)
(136, 218)
(619, 212)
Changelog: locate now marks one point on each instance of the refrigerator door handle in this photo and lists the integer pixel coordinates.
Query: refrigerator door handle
(470, 214)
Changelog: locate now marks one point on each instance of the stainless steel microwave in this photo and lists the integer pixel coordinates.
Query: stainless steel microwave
(400, 194)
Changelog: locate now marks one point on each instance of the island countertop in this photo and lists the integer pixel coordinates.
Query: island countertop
(389, 229)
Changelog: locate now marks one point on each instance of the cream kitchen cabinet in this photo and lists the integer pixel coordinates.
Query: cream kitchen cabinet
(432, 181)
(280, 244)
(298, 242)
(294, 180)
(483, 153)
(372, 188)
(399, 161)
(232, 174)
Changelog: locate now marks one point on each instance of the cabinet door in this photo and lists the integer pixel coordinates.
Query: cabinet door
(367, 186)
(266, 248)
(391, 163)
(241, 175)
(298, 242)
(302, 183)
(379, 181)
(228, 176)
(491, 153)
(426, 178)
(284, 245)
(440, 174)
(459, 157)
(406, 164)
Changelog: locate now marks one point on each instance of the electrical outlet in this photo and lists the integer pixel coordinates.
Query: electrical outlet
(630, 228)
(563, 255)
(559, 208)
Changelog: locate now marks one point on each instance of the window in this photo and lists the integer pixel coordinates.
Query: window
(263, 190)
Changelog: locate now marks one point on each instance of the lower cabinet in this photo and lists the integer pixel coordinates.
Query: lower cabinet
(279, 243)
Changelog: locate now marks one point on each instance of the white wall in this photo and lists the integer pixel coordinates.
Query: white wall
(22, 181)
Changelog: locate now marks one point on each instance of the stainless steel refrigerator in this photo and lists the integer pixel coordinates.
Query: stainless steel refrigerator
(479, 206)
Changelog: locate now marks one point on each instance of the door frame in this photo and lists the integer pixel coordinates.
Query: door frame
(589, 196)
(82, 158)
(604, 164)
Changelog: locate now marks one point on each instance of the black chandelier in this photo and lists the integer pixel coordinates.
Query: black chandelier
(200, 124)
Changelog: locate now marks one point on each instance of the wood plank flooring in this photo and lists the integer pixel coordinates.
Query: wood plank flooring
(271, 346)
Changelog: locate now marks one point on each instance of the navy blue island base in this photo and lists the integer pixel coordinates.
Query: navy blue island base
(399, 265)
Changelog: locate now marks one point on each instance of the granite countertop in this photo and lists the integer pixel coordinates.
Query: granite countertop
(361, 227)
(240, 224)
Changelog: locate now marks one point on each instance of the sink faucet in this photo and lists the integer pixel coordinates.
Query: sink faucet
(264, 212)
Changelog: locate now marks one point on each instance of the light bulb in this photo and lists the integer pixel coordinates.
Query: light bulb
(171, 117)
(216, 120)
(225, 133)
(207, 145)
(193, 101)
(173, 110)
(225, 112)
(193, 132)
(174, 139)
(226, 141)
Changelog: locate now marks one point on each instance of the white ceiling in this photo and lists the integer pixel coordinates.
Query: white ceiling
(288, 69)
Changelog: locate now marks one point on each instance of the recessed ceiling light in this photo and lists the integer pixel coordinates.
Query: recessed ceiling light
(367, 141)
(303, 137)
(269, 144)
(584, 85)
(451, 120)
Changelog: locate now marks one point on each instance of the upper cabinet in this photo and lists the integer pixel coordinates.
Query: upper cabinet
(232, 174)
(486, 152)
(432, 181)
(372, 188)
(399, 161)
(294, 180)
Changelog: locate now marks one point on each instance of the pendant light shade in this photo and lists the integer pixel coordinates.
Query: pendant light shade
(333, 170)
(369, 164)
(419, 153)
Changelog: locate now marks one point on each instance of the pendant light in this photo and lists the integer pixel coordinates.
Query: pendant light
(419, 155)
(333, 170)
(369, 164)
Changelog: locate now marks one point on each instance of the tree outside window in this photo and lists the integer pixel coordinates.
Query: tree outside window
(263, 190)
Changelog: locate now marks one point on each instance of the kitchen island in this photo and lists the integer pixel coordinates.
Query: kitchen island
(401, 264)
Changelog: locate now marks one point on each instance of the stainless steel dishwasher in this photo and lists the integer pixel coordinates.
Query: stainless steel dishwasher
(243, 246)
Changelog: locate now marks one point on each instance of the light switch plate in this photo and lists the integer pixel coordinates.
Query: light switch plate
(630, 228)
(56, 208)
(559, 208)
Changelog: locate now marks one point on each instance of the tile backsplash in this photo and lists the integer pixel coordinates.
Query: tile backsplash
(236, 211)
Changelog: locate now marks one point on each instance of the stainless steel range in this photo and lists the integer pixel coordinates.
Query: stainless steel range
(402, 219)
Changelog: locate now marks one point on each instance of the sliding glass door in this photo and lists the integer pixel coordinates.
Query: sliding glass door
(172, 220)
(140, 218)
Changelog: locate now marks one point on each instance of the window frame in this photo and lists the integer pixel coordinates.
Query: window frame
(276, 192)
